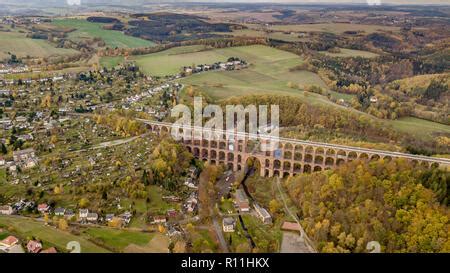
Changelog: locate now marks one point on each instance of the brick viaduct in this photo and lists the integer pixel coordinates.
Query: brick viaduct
(292, 156)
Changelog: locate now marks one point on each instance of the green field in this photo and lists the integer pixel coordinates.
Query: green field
(345, 52)
(268, 71)
(111, 62)
(119, 239)
(336, 28)
(18, 44)
(288, 37)
(51, 236)
(85, 29)
(421, 128)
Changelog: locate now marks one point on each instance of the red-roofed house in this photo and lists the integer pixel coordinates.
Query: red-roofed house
(43, 208)
(34, 246)
(290, 226)
(9, 242)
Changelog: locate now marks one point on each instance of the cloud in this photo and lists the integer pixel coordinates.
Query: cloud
(73, 2)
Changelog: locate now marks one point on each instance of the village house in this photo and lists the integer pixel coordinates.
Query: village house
(109, 217)
(8, 242)
(190, 204)
(290, 226)
(6, 210)
(60, 211)
(241, 201)
(25, 158)
(83, 213)
(34, 246)
(159, 219)
(92, 217)
(228, 224)
(262, 214)
(68, 214)
(43, 208)
(189, 182)
(171, 213)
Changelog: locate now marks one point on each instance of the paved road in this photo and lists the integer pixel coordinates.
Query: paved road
(218, 229)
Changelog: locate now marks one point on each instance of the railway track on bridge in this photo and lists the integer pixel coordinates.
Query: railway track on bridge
(265, 137)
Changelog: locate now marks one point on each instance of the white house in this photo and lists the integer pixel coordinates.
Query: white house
(228, 224)
(262, 213)
(6, 210)
(83, 213)
(92, 217)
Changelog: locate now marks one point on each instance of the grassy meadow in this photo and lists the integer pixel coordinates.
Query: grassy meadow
(345, 53)
(269, 71)
(51, 236)
(17, 43)
(85, 29)
(336, 28)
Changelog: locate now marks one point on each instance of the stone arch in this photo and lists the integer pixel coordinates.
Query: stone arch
(189, 149)
(165, 130)
(253, 161)
(298, 156)
(267, 163)
(352, 155)
(276, 164)
(307, 168)
(205, 143)
(286, 165)
(287, 155)
(288, 146)
(387, 158)
(318, 159)
(434, 165)
(230, 156)
(239, 159)
(375, 157)
(331, 152)
(319, 151)
(340, 161)
(342, 154)
(221, 155)
(286, 174)
(213, 154)
(276, 173)
(329, 161)
(266, 172)
(204, 153)
(298, 148)
(197, 142)
(308, 158)
(364, 156)
(239, 167)
(213, 144)
(222, 145)
(317, 169)
(230, 166)
(297, 167)
(196, 152)
(309, 149)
